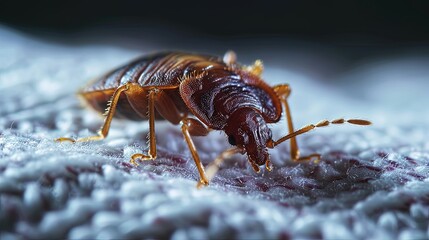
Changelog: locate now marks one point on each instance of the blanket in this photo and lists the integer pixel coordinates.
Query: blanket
(371, 182)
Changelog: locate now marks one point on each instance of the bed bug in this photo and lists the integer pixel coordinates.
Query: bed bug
(201, 93)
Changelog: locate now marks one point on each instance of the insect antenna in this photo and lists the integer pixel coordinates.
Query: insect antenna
(322, 123)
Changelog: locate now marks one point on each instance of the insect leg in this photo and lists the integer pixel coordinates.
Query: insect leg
(157, 99)
(257, 68)
(283, 91)
(213, 167)
(194, 127)
(230, 57)
(110, 112)
(152, 138)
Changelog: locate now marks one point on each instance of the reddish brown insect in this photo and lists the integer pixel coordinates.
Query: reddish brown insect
(202, 93)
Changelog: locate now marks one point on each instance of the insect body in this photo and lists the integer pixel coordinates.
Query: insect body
(202, 93)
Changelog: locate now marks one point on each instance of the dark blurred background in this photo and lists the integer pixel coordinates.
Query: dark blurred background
(378, 22)
(349, 30)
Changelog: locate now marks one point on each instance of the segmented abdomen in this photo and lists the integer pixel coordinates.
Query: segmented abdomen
(159, 69)
(153, 70)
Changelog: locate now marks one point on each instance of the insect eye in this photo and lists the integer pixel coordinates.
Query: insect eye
(231, 140)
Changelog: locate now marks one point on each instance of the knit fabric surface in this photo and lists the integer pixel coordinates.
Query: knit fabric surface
(372, 182)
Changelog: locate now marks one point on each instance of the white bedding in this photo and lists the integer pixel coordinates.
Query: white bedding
(372, 182)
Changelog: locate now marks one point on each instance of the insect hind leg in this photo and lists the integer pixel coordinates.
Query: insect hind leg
(110, 112)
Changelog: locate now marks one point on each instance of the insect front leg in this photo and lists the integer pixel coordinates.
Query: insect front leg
(110, 112)
(214, 166)
(191, 126)
(283, 91)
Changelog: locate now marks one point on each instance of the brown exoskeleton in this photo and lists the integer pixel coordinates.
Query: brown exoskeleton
(202, 93)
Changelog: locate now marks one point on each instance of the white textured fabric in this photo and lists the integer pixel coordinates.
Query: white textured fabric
(372, 182)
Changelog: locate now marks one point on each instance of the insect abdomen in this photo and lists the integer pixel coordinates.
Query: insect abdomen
(128, 73)
(163, 69)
